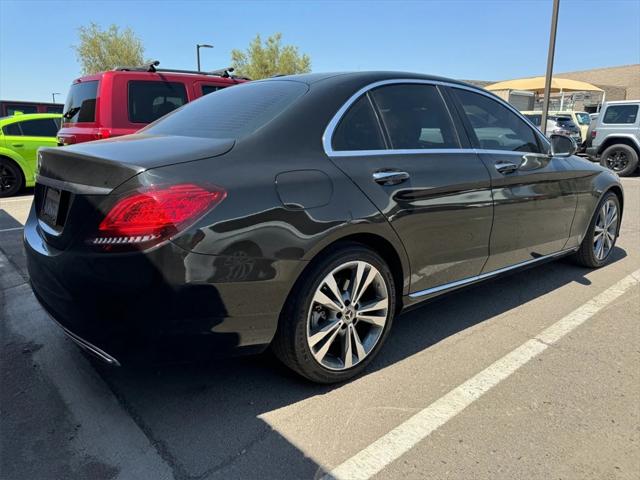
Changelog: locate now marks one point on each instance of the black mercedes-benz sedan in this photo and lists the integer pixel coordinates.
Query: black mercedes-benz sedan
(303, 213)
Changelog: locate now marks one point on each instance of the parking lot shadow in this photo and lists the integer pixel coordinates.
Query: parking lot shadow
(205, 420)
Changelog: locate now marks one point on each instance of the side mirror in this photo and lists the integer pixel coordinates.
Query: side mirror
(563, 146)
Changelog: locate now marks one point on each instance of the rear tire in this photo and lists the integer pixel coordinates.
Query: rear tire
(334, 344)
(11, 179)
(620, 158)
(602, 234)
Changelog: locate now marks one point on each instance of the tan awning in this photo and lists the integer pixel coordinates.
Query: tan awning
(536, 84)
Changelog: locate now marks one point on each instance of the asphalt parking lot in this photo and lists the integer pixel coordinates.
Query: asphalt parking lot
(535, 375)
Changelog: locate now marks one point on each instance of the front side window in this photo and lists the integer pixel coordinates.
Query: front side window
(358, 129)
(81, 102)
(494, 125)
(621, 114)
(415, 117)
(45, 127)
(583, 118)
(150, 100)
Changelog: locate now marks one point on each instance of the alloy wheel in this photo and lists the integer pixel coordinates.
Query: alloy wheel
(8, 178)
(617, 161)
(605, 229)
(347, 316)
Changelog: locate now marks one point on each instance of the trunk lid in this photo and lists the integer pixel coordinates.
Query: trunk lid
(73, 182)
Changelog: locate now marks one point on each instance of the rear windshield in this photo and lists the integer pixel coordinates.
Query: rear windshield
(81, 102)
(233, 112)
(564, 121)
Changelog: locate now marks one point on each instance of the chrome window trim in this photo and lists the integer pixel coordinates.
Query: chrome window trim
(484, 276)
(77, 188)
(335, 120)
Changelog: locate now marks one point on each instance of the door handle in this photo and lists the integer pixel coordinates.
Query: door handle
(506, 167)
(390, 177)
(18, 145)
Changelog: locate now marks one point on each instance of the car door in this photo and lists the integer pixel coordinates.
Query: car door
(398, 142)
(27, 136)
(37, 133)
(534, 195)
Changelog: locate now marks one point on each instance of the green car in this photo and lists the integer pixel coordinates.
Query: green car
(20, 137)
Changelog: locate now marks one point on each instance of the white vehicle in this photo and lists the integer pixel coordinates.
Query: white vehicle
(616, 137)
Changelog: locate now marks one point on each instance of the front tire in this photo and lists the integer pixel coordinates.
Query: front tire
(338, 315)
(11, 180)
(620, 158)
(601, 237)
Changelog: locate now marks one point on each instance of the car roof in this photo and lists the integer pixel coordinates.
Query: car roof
(27, 116)
(367, 77)
(160, 75)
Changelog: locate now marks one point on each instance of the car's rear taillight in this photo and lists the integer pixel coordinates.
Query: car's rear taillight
(593, 133)
(150, 216)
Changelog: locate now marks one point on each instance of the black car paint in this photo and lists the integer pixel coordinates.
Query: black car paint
(227, 277)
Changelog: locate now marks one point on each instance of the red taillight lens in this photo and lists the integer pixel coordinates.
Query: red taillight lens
(593, 134)
(103, 133)
(148, 217)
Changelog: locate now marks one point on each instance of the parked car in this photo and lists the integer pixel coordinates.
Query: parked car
(615, 140)
(20, 138)
(560, 124)
(305, 212)
(10, 107)
(124, 100)
(589, 140)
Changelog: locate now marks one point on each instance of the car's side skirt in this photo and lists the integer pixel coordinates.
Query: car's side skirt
(416, 297)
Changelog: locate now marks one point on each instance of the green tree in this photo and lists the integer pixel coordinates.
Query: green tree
(262, 60)
(101, 50)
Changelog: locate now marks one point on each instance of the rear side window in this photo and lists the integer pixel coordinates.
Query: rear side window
(12, 129)
(621, 114)
(494, 125)
(51, 109)
(415, 117)
(81, 102)
(358, 129)
(150, 100)
(232, 112)
(207, 89)
(45, 127)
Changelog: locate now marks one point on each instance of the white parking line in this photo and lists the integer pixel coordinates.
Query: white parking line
(11, 229)
(391, 446)
(15, 200)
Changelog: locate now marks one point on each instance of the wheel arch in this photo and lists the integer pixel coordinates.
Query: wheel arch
(616, 140)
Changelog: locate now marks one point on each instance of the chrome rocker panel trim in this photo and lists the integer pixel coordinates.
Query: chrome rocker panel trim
(487, 275)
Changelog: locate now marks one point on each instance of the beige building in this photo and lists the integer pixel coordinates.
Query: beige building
(618, 83)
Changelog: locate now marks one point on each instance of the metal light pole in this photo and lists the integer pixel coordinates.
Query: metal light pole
(53, 95)
(198, 47)
(547, 79)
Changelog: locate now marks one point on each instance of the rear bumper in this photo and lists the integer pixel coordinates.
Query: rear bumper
(118, 306)
(592, 152)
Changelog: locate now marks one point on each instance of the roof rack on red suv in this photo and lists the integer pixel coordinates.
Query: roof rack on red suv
(124, 100)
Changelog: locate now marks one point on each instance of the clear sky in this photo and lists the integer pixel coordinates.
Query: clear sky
(468, 39)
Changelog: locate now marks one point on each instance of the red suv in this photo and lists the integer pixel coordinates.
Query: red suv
(122, 101)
